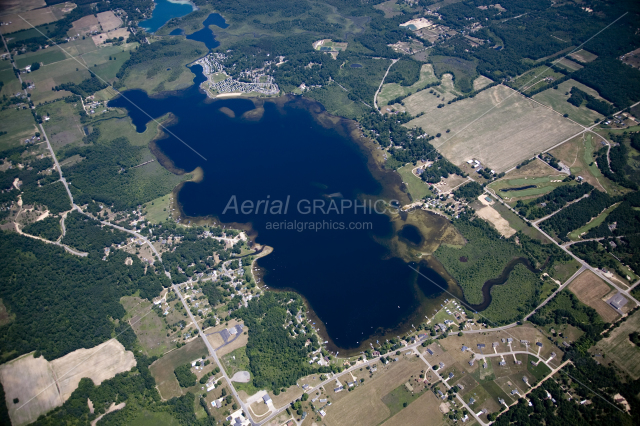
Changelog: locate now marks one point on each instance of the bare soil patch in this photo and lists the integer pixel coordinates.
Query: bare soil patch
(46, 385)
(34, 17)
(590, 289)
(108, 21)
(490, 214)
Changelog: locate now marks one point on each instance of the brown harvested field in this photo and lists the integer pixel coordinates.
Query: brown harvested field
(148, 326)
(619, 349)
(591, 289)
(35, 17)
(15, 6)
(108, 21)
(364, 405)
(424, 408)
(162, 369)
(238, 342)
(46, 385)
(84, 25)
(536, 168)
(499, 127)
(216, 340)
(583, 56)
(569, 64)
(632, 58)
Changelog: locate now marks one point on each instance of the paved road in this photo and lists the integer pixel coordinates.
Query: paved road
(566, 250)
(213, 354)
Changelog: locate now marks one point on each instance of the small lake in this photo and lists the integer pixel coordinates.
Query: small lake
(164, 11)
(520, 188)
(205, 35)
(356, 65)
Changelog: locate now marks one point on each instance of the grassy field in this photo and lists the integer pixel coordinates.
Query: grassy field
(517, 223)
(539, 371)
(481, 82)
(498, 127)
(394, 90)
(158, 209)
(423, 408)
(429, 99)
(583, 56)
(48, 76)
(47, 56)
(619, 349)
(18, 125)
(533, 79)
(150, 418)
(557, 99)
(578, 154)
(162, 369)
(148, 326)
(401, 395)
(569, 65)
(575, 235)
(543, 185)
(336, 101)
(64, 126)
(464, 71)
(236, 361)
(416, 186)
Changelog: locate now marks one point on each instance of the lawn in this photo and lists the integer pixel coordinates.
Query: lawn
(18, 125)
(158, 209)
(533, 79)
(148, 326)
(396, 399)
(517, 223)
(464, 71)
(49, 76)
(47, 56)
(428, 99)
(150, 418)
(498, 127)
(539, 371)
(575, 235)
(336, 101)
(557, 99)
(392, 91)
(236, 361)
(64, 126)
(417, 188)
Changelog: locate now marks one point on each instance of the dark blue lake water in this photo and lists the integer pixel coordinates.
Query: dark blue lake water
(205, 35)
(281, 151)
(165, 11)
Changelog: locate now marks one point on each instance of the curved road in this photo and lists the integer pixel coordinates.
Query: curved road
(375, 97)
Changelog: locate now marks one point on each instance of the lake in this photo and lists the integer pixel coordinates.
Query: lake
(205, 35)
(290, 150)
(164, 11)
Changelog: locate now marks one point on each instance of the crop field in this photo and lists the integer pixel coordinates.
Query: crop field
(79, 46)
(35, 17)
(18, 125)
(46, 56)
(428, 100)
(491, 215)
(49, 384)
(583, 56)
(108, 59)
(64, 127)
(557, 99)
(417, 188)
(392, 91)
(11, 83)
(155, 77)
(541, 185)
(590, 289)
(84, 25)
(619, 349)
(499, 127)
(158, 209)
(162, 369)
(517, 223)
(364, 405)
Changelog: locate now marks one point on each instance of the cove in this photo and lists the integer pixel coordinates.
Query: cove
(164, 11)
(205, 35)
(290, 148)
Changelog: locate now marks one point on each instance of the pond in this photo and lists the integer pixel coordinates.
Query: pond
(164, 11)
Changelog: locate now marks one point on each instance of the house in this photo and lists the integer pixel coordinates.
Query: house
(266, 399)
(518, 362)
(351, 384)
(515, 392)
(494, 344)
(502, 363)
(484, 364)
(451, 375)
(338, 389)
(471, 401)
(322, 413)
(509, 340)
(217, 403)
(464, 348)
(441, 365)
(429, 351)
(481, 345)
(323, 400)
(524, 342)
(539, 344)
(525, 379)
(305, 387)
